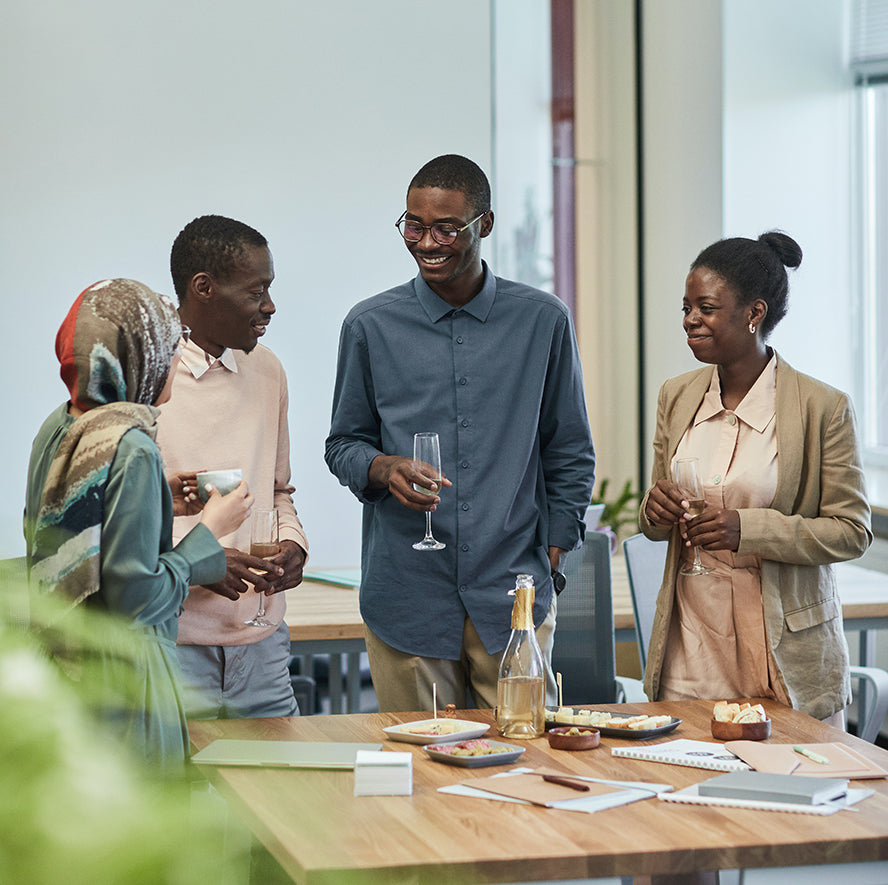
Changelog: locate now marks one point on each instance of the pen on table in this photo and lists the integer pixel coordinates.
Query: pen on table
(566, 782)
(810, 754)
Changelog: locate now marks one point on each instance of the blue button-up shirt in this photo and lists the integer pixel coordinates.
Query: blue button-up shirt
(499, 380)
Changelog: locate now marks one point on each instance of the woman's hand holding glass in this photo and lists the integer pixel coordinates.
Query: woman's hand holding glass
(714, 529)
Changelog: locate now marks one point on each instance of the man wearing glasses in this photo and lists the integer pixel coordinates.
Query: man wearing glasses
(491, 366)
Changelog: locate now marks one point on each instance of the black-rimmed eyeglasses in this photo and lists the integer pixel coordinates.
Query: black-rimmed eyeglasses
(443, 234)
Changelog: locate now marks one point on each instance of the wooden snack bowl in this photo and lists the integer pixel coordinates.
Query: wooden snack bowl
(740, 731)
(587, 739)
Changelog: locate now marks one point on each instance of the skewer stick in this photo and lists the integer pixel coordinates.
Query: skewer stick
(435, 698)
(558, 680)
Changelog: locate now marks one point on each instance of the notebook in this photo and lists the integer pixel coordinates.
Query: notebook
(768, 787)
(696, 754)
(532, 788)
(281, 754)
(842, 761)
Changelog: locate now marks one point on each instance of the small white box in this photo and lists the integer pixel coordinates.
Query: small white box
(382, 773)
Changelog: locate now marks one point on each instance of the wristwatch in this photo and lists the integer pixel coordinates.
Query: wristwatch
(558, 580)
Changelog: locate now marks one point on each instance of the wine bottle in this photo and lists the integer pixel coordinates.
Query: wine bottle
(521, 686)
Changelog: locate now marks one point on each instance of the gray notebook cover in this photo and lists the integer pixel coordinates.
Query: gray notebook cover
(774, 787)
(281, 754)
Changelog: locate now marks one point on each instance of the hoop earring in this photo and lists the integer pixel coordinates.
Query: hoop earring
(752, 328)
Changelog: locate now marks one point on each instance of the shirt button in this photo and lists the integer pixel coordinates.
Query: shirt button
(732, 420)
(459, 340)
(463, 381)
(465, 464)
(716, 480)
(465, 423)
(465, 506)
(465, 548)
(463, 588)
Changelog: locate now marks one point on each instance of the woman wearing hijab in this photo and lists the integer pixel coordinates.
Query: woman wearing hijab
(99, 511)
(784, 494)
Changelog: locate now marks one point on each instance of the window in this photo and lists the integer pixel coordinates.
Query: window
(869, 57)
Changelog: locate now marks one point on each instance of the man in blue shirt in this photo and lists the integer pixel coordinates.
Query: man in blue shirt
(492, 366)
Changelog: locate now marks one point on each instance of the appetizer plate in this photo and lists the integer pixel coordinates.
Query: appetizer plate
(435, 731)
(637, 734)
(632, 734)
(440, 753)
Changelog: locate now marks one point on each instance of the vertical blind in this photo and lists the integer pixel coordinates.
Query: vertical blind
(869, 38)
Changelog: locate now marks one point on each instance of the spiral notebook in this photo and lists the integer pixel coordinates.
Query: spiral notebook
(696, 754)
(691, 796)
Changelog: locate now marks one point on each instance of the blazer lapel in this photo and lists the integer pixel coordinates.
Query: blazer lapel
(686, 405)
(790, 433)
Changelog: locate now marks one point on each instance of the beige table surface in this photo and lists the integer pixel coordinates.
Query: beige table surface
(319, 832)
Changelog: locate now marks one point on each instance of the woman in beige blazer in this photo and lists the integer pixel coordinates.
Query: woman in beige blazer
(784, 500)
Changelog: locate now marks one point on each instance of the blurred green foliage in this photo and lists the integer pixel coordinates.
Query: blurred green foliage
(619, 511)
(75, 808)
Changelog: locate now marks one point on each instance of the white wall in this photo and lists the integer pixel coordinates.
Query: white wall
(303, 119)
(682, 118)
(788, 164)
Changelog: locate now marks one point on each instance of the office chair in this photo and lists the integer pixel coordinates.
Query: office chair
(645, 563)
(583, 650)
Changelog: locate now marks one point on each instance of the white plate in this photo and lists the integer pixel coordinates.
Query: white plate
(464, 729)
(434, 750)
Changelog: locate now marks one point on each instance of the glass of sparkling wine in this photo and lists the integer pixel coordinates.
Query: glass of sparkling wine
(264, 543)
(427, 460)
(687, 478)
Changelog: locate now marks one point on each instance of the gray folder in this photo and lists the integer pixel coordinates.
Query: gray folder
(281, 754)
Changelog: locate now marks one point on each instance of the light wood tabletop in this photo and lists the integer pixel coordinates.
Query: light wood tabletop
(319, 611)
(319, 832)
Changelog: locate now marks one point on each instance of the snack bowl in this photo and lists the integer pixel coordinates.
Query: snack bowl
(224, 480)
(740, 731)
(573, 737)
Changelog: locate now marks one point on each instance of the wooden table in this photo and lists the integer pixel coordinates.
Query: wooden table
(320, 833)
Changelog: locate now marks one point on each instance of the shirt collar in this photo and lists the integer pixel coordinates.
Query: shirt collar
(437, 308)
(197, 360)
(756, 409)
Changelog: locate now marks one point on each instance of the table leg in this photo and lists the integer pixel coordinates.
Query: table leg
(353, 683)
(335, 677)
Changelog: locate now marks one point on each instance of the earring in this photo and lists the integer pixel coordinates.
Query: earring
(752, 328)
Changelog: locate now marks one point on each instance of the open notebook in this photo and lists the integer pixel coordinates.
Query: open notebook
(281, 754)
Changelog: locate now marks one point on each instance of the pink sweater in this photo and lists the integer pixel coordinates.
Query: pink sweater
(231, 412)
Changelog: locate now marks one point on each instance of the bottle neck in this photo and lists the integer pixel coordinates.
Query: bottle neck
(522, 610)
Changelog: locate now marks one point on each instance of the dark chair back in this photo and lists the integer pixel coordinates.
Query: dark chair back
(583, 651)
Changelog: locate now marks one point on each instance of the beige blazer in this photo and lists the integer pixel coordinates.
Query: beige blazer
(819, 516)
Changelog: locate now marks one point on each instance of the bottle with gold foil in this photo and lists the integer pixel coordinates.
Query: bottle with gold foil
(521, 687)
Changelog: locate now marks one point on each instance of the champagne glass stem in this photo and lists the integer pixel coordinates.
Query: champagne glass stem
(428, 534)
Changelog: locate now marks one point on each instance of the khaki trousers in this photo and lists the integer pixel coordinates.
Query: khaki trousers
(403, 682)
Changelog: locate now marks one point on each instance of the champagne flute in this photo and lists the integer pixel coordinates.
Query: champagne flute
(687, 479)
(427, 460)
(264, 543)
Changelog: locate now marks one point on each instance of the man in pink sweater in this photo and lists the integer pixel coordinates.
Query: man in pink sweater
(229, 410)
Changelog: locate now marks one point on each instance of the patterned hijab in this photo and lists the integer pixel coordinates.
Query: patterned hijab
(115, 348)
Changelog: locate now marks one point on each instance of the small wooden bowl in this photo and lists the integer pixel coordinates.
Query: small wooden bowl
(587, 739)
(740, 731)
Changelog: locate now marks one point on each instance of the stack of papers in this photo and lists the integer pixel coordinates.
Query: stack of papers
(383, 774)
